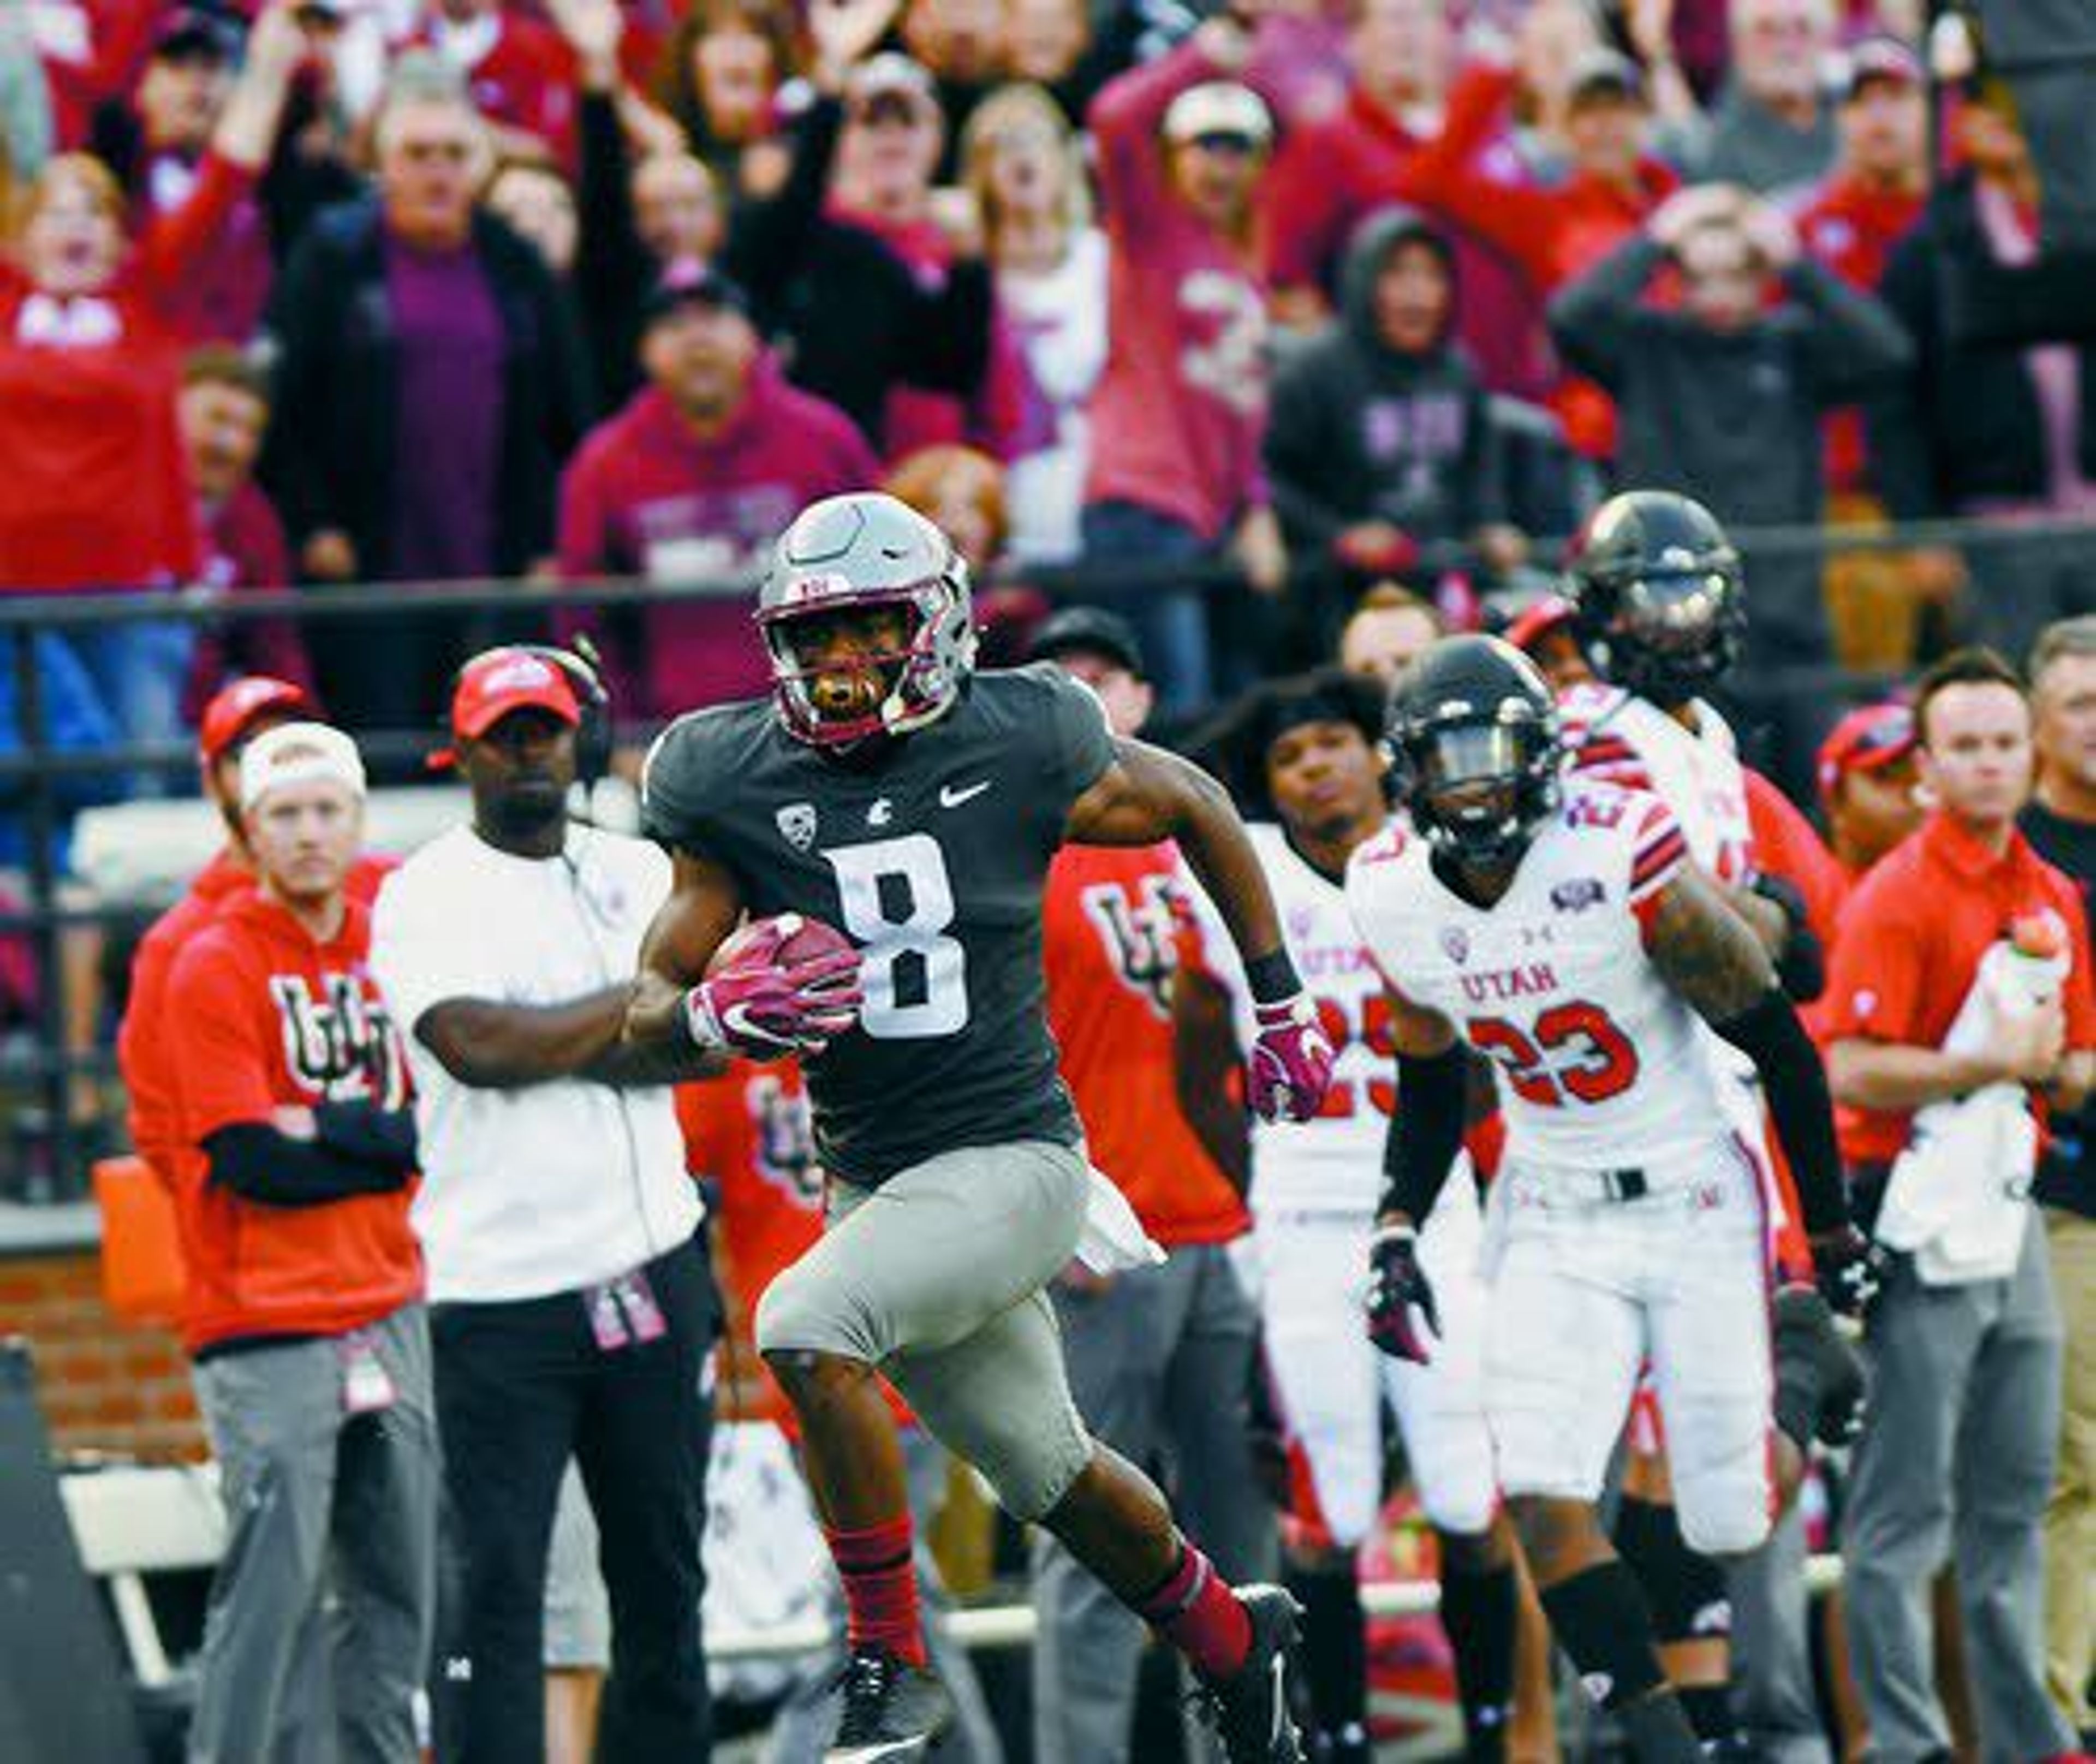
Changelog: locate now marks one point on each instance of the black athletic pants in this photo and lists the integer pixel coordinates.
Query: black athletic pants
(521, 1385)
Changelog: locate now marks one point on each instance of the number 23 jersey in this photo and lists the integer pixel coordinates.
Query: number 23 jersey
(1601, 1064)
(930, 854)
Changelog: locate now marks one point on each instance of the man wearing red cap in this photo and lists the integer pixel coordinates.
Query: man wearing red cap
(572, 1306)
(1866, 785)
(233, 718)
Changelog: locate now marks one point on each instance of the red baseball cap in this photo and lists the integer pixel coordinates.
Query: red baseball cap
(234, 708)
(1552, 612)
(1868, 739)
(499, 681)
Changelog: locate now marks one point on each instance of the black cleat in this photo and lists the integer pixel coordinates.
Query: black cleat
(1812, 1350)
(1250, 1710)
(892, 1711)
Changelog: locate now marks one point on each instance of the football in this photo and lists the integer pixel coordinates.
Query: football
(809, 939)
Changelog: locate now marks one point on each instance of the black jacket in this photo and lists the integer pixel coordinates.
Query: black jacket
(1965, 424)
(332, 448)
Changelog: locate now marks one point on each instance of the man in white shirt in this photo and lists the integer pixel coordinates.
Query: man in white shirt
(572, 1306)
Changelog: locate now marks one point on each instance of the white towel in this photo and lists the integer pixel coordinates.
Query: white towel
(1958, 1195)
(1112, 1240)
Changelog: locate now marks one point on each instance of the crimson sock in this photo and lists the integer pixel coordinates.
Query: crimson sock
(1196, 1610)
(880, 1588)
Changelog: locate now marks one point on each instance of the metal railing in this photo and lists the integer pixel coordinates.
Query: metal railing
(31, 776)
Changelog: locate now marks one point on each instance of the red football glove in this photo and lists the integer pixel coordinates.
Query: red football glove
(1290, 1066)
(761, 1007)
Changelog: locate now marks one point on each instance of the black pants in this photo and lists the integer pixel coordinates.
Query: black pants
(520, 1386)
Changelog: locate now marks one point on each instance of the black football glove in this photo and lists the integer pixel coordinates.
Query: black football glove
(1846, 1267)
(1397, 1285)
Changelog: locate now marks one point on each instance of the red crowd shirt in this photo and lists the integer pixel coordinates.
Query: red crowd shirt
(1179, 412)
(1551, 235)
(96, 492)
(273, 1018)
(1911, 938)
(1852, 228)
(1109, 935)
(526, 80)
(645, 495)
(245, 550)
(1332, 174)
(144, 1053)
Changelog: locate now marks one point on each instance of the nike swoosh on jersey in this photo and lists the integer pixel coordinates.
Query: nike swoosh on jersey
(952, 796)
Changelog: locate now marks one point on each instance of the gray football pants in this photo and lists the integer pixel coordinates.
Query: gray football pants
(1955, 1462)
(316, 1499)
(1159, 1363)
(937, 1277)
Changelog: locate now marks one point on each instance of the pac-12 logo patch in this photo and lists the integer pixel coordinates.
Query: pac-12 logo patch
(1577, 895)
(1456, 942)
(797, 824)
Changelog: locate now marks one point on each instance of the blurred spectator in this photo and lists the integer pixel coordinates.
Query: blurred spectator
(1554, 234)
(1849, 222)
(1333, 172)
(1957, 997)
(96, 492)
(677, 208)
(573, 1308)
(719, 78)
(535, 201)
(1161, 1359)
(155, 144)
(1389, 628)
(1868, 783)
(962, 493)
(2003, 432)
(74, 723)
(862, 319)
(225, 413)
(1381, 455)
(518, 71)
(692, 482)
(1065, 47)
(92, 51)
(1545, 632)
(2060, 823)
(1175, 477)
(1722, 396)
(887, 155)
(304, 1313)
(1025, 167)
(1772, 126)
(429, 384)
(961, 44)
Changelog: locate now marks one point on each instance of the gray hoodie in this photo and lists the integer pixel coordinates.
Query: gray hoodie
(1360, 432)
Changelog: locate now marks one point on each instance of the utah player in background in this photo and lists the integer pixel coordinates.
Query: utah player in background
(1301, 755)
(889, 789)
(1560, 929)
(1659, 607)
(1161, 1359)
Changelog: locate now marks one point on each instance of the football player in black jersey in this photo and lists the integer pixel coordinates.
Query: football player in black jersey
(886, 789)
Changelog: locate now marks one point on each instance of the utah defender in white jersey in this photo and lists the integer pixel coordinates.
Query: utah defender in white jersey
(1303, 751)
(1564, 935)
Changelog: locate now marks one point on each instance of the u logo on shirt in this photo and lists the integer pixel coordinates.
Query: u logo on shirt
(340, 1045)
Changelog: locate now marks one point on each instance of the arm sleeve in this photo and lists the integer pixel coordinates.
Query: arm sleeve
(1084, 743)
(1426, 1131)
(1124, 118)
(1518, 222)
(1852, 341)
(1799, 1103)
(253, 1160)
(177, 241)
(1594, 318)
(1659, 850)
(384, 1138)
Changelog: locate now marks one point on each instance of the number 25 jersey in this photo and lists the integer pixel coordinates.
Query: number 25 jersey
(1601, 1064)
(929, 851)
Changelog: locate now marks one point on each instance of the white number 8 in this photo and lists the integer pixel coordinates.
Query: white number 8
(910, 945)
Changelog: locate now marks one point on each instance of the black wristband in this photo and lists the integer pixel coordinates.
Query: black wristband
(1272, 977)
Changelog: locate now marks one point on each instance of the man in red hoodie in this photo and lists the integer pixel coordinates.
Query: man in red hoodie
(699, 473)
(304, 1312)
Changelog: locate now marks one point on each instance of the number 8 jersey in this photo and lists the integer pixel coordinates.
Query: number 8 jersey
(1601, 1064)
(931, 853)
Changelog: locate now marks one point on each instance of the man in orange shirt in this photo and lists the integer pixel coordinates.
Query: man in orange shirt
(305, 1314)
(1161, 1358)
(236, 714)
(1957, 1454)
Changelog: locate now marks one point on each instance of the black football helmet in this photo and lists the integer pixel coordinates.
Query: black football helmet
(1660, 600)
(1475, 750)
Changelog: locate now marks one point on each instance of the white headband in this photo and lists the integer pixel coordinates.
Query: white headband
(298, 753)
